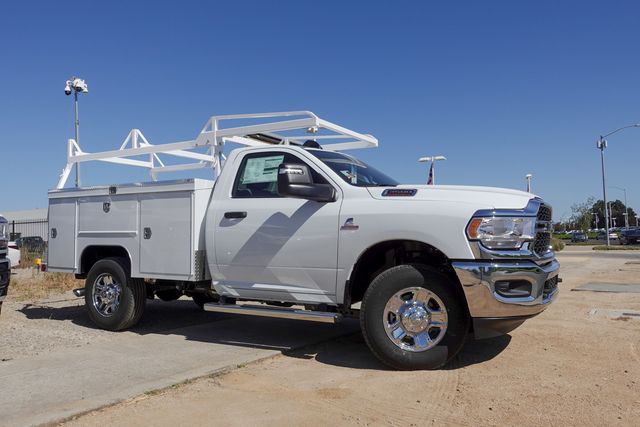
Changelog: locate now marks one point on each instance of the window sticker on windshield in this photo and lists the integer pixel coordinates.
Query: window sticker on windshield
(350, 176)
(262, 169)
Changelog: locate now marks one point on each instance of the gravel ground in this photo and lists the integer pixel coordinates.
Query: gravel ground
(565, 367)
(30, 328)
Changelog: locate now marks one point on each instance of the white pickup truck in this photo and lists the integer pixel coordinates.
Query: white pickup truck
(292, 227)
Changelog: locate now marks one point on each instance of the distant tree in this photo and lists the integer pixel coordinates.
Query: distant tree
(618, 210)
(582, 214)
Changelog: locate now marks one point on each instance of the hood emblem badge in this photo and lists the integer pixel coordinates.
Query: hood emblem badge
(349, 225)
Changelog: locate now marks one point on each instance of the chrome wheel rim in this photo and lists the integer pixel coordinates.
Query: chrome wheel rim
(415, 319)
(106, 295)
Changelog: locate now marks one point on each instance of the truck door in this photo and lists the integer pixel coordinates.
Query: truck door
(273, 247)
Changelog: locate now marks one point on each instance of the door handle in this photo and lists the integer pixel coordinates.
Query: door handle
(235, 215)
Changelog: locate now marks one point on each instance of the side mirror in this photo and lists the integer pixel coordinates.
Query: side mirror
(295, 181)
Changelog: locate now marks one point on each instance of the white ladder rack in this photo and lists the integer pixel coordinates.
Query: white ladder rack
(273, 128)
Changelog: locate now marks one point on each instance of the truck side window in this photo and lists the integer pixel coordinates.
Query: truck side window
(258, 175)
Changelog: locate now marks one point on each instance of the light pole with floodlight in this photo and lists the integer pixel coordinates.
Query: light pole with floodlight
(432, 170)
(76, 85)
(601, 145)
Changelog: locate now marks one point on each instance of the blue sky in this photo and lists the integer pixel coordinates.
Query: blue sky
(502, 88)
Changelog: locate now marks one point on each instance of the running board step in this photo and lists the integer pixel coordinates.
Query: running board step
(283, 313)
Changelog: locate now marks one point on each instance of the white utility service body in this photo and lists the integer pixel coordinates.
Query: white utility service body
(290, 223)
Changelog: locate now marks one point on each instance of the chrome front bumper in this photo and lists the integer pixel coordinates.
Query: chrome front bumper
(479, 281)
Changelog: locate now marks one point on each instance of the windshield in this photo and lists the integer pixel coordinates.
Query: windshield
(353, 171)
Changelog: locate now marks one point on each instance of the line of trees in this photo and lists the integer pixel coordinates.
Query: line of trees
(590, 214)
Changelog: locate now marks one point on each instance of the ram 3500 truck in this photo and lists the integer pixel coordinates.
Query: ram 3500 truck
(292, 227)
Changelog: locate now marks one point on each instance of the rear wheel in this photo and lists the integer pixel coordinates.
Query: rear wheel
(114, 300)
(412, 318)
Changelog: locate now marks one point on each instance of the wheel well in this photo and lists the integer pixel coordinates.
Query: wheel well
(93, 254)
(385, 255)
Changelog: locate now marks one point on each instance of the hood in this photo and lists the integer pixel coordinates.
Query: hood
(481, 197)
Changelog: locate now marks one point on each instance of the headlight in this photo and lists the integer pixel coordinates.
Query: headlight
(502, 232)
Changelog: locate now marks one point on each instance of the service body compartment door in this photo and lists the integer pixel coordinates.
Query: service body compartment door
(166, 245)
(62, 235)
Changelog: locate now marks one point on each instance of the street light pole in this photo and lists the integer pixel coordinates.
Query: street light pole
(76, 85)
(626, 207)
(528, 178)
(77, 125)
(601, 145)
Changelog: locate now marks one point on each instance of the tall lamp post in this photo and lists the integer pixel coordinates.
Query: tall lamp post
(432, 171)
(528, 178)
(601, 145)
(626, 208)
(76, 85)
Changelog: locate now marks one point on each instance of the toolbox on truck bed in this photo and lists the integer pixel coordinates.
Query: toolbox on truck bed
(140, 218)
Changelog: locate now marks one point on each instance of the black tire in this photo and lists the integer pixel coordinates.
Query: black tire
(372, 313)
(132, 295)
(200, 299)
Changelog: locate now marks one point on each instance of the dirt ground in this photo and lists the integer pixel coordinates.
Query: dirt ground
(565, 367)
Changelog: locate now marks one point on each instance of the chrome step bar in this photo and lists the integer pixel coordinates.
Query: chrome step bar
(283, 313)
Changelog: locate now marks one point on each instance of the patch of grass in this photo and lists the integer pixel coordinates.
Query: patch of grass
(28, 258)
(616, 248)
(38, 285)
(557, 244)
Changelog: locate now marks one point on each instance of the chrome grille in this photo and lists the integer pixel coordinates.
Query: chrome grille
(549, 286)
(544, 213)
(542, 241)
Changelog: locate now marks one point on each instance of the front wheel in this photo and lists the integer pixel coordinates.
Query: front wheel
(412, 318)
(114, 300)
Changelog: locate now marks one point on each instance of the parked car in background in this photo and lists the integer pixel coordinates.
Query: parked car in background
(602, 235)
(579, 236)
(629, 236)
(5, 267)
(30, 243)
(13, 254)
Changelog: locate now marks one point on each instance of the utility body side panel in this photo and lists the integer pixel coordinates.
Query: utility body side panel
(62, 234)
(159, 225)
